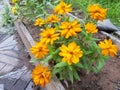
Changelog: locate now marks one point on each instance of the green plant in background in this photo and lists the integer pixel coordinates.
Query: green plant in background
(112, 6)
(32, 9)
(6, 17)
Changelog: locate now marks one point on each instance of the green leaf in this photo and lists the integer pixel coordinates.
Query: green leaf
(61, 64)
(57, 70)
(35, 60)
(79, 65)
(101, 63)
(56, 51)
(45, 60)
(76, 76)
(51, 50)
(95, 39)
(70, 67)
(88, 52)
(70, 73)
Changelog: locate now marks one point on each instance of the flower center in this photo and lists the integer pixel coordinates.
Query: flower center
(43, 74)
(40, 49)
(69, 27)
(63, 7)
(97, 11)
(71, 52)
(48, 35)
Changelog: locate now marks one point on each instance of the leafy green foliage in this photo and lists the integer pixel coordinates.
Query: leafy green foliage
(6, 17)
(32, 9)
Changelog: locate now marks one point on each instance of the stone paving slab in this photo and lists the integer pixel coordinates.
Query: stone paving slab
(23, 81)
(1, 86)
(2, 65)
(14, 60)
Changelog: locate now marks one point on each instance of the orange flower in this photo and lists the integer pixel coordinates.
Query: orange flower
(97, 12)
(52, 19)
(71, 54)
(91, 28)
(39, 22)
(49, 35)
(70, 28)
(41, 75)
(62, 8)
(108, 48)
(39, 50)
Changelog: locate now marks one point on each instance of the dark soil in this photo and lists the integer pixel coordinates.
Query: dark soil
(107, 79)
(34, 30)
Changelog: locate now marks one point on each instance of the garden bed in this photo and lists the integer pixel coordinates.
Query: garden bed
(104, 80)
(107, 79)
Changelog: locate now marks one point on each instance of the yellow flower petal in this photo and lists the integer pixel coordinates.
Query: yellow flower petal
(41, 75)
(62, 8)
(39, 50)
(49, 35)
(97, 12)
(108, 48)
(39, 22)
(52, 19)
(91, 28)
(71, 53)
(70, 28)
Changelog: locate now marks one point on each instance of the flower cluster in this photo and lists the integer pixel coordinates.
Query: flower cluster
(69, 45)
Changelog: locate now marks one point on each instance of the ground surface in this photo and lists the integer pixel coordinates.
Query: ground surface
(14, 72)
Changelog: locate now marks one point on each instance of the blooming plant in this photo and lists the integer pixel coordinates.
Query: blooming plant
(69, 46)
(31, 9)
